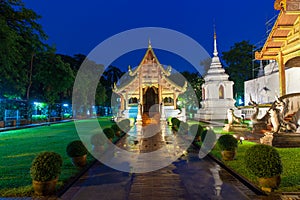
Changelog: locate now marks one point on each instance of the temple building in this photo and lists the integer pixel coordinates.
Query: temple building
(217, 91)
(149, 89)
(282, 52)
(283, 48)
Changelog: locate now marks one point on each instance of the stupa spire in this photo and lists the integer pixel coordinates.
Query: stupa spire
(215, 42)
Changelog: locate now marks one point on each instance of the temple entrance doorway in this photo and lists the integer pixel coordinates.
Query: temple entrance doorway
(150, 98)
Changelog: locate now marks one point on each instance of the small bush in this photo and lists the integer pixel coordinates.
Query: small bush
(183, 128)
(115, 128)
(96, 139)
(210, 141)
(110, 134)
(263, 161)
(46, 166)
(196, 130)
(124, 125)
(76, 149)
(175, 124)
(227, 143)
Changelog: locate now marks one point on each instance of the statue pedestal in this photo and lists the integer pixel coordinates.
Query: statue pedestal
(286, 140)
(235, 127)
(257, 127)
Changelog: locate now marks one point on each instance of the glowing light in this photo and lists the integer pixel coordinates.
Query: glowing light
(65, 105)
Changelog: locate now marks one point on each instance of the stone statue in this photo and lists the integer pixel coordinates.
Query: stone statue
(275, 116)
(232, 118)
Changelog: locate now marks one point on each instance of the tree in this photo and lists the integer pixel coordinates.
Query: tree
(196, 81)
(110, 76)
(238, 65)
(20, 37)
(51, 78)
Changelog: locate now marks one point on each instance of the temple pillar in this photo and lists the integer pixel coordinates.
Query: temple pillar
(175, 100)
(140, 103)
(122, 103)
(282, 81)
(126, 101)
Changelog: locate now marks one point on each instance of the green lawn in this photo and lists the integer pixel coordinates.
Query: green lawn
(290, 157)
(18, 148)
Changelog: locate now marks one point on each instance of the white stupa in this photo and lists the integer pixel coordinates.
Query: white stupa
(217, 91)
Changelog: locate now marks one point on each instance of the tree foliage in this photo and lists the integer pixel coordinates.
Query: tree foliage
(20, 37)
(238, 65)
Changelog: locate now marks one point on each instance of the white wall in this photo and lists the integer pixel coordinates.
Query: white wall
(264, 89)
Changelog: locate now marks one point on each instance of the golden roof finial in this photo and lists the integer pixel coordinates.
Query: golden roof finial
(149, 43)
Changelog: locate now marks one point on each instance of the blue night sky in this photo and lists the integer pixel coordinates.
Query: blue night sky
(79, 26)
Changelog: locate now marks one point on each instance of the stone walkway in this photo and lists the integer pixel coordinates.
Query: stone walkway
(188, 177)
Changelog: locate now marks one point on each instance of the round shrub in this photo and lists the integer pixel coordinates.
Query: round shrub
(175, 122)
(46, 166)
(116, 129)
(196, 130)
(263, 161)
(124, 125)
(96, 139)
(210, 141)
(109, 132)
(203, 135)
(76, 149)
(183, 127)
(227, 143)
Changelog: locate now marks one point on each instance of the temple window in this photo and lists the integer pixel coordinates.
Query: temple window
(221, 92)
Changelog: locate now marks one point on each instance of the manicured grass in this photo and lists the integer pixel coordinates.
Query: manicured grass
(290, 157)
(18, 148)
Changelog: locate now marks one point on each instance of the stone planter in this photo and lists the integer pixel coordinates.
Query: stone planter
(228, 155)
(79, 161)
(44, 188)
(269, 184)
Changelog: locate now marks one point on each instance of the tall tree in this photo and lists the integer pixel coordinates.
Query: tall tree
(20, 38)
(238, 65)
(51, 78)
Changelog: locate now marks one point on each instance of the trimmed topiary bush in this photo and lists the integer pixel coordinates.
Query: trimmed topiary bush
(116, 129)
(196, 130)
(124, 125)
(175, 123)
(203, 135)
(96, 139)
(46, 166)
(263, 161)
(208, 139)
(227, 143)
(76, 149)
(183, 128)
(109, 132)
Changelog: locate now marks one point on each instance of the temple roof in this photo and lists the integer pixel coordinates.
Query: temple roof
(284, 36)
(149, 70)
(149, 58)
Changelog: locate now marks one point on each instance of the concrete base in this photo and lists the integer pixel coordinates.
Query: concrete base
(286, 140)
(236, 128)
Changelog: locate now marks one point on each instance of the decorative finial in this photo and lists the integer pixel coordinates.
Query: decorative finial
(215, 42)
(215, 34)
(149, 43)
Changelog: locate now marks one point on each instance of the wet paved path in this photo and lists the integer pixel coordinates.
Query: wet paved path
(189, 177)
